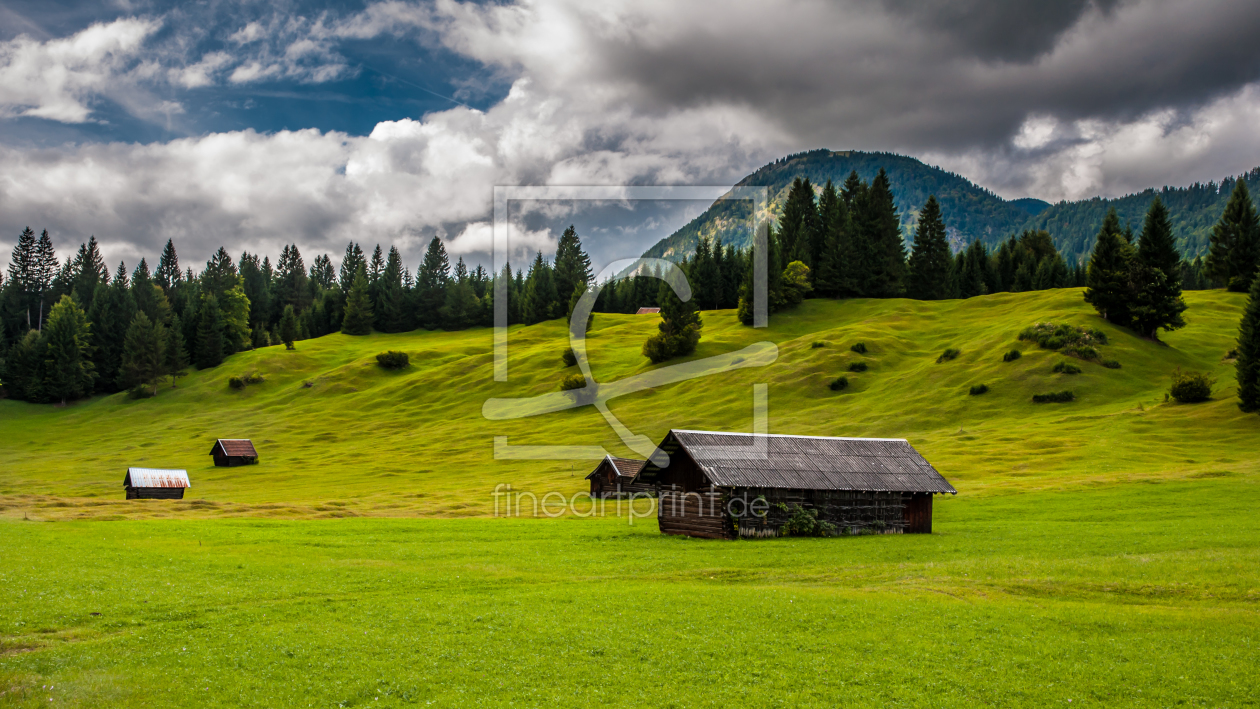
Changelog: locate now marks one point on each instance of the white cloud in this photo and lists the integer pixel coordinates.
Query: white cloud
(203, 72)
(58, 79)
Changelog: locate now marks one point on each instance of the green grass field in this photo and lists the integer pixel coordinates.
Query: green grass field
(1104, 551)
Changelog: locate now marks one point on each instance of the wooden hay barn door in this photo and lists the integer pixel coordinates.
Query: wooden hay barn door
(918, 512)
(695, 514)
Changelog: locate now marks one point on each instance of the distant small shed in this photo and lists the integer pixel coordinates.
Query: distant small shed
(618, 476)
(229, 452)
(648, 311)
(728, 485)
(155, 484)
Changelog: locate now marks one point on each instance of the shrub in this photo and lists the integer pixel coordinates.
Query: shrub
(857, 367)
(254, 378)
(1057, 397)
(1078, 341)
(1012, 356)
(948, 354)
(1232, 354)
(236, 382)
(816, 345)
(393, 360)
(978, 389)
(569, 357)
(1110, 364)
(1191, 387)
(572, 381)
(860, 348)
(839, 383)
(805, 523)
(1066, 367)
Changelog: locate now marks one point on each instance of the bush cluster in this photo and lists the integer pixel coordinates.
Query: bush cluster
(1191, 387)
(569, 357)
(839, 383)
(860, 348)
(948, 354)
(1110, 364)
(816, 345)
(1071, 340)
(1012, 356)
(805, 523)
(572, 381)
(1066, 367)
(236, 382)
(857, 367)
(978, 389)
(1056, 397)
(240, 382)
(393, 360)
(254, 378)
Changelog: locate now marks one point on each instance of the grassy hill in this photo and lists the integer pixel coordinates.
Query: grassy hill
(339, 436)
(970, 212)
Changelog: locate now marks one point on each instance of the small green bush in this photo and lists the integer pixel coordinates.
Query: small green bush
(948, 354)
(1012, 356)
(236, 382)
(839, 383)
(1066, 367)
(569, 357)
(393, 360)
(572, 381)
(254, 378)
(1191, 387)
(978, 389)
(857, 367)
(1110, 364)
(1057, 397)
(1232, 354)
(805, 523)
(816, 345)
(860, 348)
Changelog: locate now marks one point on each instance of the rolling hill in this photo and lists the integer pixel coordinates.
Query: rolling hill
(339, 436)
(971, 212)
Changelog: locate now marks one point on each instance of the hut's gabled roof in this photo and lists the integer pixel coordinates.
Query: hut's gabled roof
(155, 477)
(625, 467)
(235, 447)
(805, 462)
(648, 311)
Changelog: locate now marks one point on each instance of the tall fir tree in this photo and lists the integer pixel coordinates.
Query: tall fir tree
(798, 224)
(833, 226)
(572, 266)
(210, 338)
(288, 327)
(167, 274)
(1247, 364)
(541, 299)
(357, 319)
(431, 281)
(112, 309)
(885, 250)
(176, 352)
(930, 259)
(22, 277)
(704, 277)
(392, 313)
(221, 274)
(68, 370)
(350, 264)
(1234, 253)
(1107, 284)
(43, 271)
(292, 287)
(89, 271)
(1156, 280)
(144, 353)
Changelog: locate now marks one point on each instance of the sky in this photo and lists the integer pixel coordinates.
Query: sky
(253, 125)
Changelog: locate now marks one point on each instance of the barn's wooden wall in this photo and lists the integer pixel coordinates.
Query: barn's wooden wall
(155, 493)
(695, 514)
(850, 511)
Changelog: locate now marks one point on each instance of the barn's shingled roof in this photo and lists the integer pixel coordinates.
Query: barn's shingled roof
(647, 311)
(234, 447)
(155, 477)
(625, 467)
(805, 462)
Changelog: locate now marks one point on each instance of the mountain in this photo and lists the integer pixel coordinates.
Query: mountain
(971, 212)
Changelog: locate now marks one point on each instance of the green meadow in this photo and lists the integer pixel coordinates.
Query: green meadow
(1102, 552)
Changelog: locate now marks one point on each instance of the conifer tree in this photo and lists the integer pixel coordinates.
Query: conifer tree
(24, 368)
(1107, 285)
(572, 266)
(22, 276)
(288, 327)
(1234, 253)
(885, 250)
(460, 309)
(89, 270)
(292, 287)
(167, 274)
(1156, 277)
(144, 353)
(930, 259)
(540, 293)
(43, 271)
(391, 299)
(798, 224)
(350, 266)
(431, 281)
(176, 353)
(220, 275)
(679, 328)
(833, 225)
(357, 319)
(209, 333)
(705, 284)
(1247, 366)
(68, 370)
(112, 309)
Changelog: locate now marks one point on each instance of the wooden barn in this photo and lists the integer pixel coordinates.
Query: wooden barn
(729, 485)
(618, 476)
(155, 484)
(229, 452)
